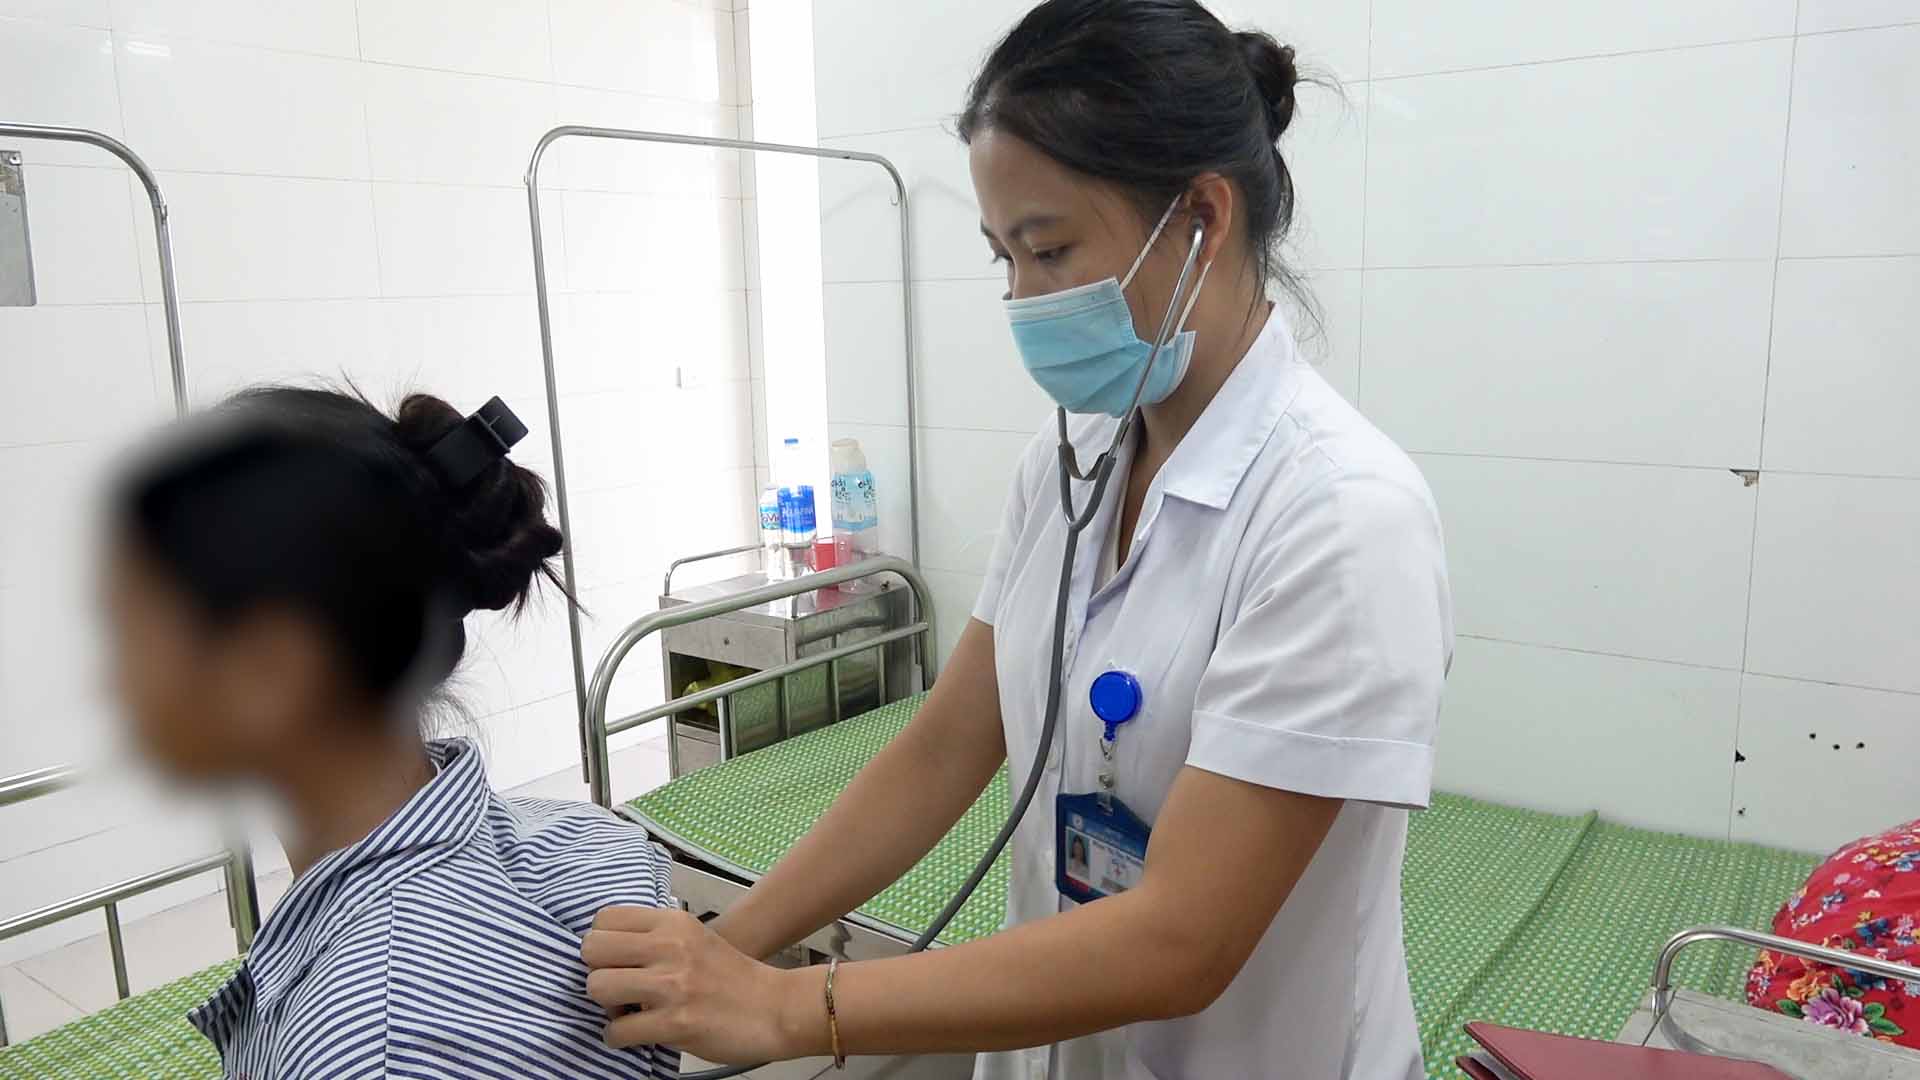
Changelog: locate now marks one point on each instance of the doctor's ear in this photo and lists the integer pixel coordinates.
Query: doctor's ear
(1210, 200)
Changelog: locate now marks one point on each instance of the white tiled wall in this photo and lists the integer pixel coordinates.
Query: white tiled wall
(345, 185)
(1583, 260)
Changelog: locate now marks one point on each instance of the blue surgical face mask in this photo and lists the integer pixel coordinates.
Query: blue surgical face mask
(1080, 345)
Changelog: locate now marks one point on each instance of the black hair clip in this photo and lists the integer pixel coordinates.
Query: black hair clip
(478, 441)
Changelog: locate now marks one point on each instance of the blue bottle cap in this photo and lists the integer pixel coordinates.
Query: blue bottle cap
(1116, 698)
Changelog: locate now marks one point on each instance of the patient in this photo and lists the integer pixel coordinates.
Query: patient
(285, 583)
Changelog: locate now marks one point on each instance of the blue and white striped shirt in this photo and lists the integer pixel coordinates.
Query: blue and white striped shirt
(445, 944)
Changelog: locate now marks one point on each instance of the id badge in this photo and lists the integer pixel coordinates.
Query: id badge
(1098, 850)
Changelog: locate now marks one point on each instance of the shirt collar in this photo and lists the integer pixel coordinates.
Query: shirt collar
(1208, 465)
(331, 895)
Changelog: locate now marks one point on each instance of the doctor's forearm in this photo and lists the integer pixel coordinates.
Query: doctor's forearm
(886, 820)
(891, 815)
(1115, 962)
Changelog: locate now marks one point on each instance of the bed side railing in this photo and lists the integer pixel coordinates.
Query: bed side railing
(236, 863)
(599, 729)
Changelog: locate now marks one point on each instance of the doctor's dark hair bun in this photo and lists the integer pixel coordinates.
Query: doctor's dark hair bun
(1271, 64)
(1149, 95)
(317, 502)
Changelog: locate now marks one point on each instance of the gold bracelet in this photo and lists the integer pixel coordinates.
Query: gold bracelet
(833, 1016)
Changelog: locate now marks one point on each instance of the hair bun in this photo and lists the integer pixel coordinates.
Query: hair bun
(1274, 73)
(497, 534)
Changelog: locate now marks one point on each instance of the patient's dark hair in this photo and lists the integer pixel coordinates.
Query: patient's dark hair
(318, 501)
(1148, 95)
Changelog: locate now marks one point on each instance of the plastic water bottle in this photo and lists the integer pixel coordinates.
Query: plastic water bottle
(799, 526)
(790, 470)
(856, 511)
(773, 552)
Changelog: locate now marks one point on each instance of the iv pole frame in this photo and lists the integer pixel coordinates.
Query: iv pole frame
(236, 862)
(163, 237)
(567, 131)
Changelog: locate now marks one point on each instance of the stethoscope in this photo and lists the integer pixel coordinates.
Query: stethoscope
(1077, 522)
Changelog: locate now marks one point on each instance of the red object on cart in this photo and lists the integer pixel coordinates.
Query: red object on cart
(1864, 899)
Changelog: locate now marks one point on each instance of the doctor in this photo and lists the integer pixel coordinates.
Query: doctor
(1257, 631)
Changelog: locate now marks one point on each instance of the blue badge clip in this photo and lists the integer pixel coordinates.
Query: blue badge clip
(1116, 699)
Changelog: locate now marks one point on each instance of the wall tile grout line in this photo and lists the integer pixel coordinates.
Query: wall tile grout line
(1688, 665)
(1766, 375)
(1619, 54)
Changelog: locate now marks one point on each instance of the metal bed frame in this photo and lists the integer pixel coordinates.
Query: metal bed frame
(236, 861)
(1676, 1019)
(599, 729)
(581, 689)
(704, 886)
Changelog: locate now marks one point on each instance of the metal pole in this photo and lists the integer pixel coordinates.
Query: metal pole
(589, 759)
(163, 237)
(243, 900)
(119, 950)
(559, 452)
(913, 394)
(31, 785)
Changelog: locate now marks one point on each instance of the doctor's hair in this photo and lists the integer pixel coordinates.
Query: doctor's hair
(317, 502)
(1149, 95)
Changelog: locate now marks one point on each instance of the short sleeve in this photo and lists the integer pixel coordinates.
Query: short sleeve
(1326, 679)
(1013, 518)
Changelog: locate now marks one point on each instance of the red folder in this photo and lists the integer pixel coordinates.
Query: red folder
(1517, 1054)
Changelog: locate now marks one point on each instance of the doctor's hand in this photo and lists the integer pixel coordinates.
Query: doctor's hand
(666, 979)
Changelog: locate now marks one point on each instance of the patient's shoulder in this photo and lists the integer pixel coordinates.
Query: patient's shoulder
(487, 982)
(572, 859)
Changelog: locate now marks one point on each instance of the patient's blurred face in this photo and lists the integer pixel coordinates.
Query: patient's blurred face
(199, 704)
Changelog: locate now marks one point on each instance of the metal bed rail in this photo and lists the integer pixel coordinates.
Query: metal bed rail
(598, 729)
(666, 586)
(541, 300)
(235, 863)
(1840, 958)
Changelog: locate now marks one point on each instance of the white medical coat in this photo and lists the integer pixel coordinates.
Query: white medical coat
(1284, 606)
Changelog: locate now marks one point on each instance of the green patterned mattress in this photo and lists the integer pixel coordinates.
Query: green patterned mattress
(1512, 916)
(145, 1037)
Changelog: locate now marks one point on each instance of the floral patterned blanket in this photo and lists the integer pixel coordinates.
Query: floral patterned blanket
(1864, 899)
